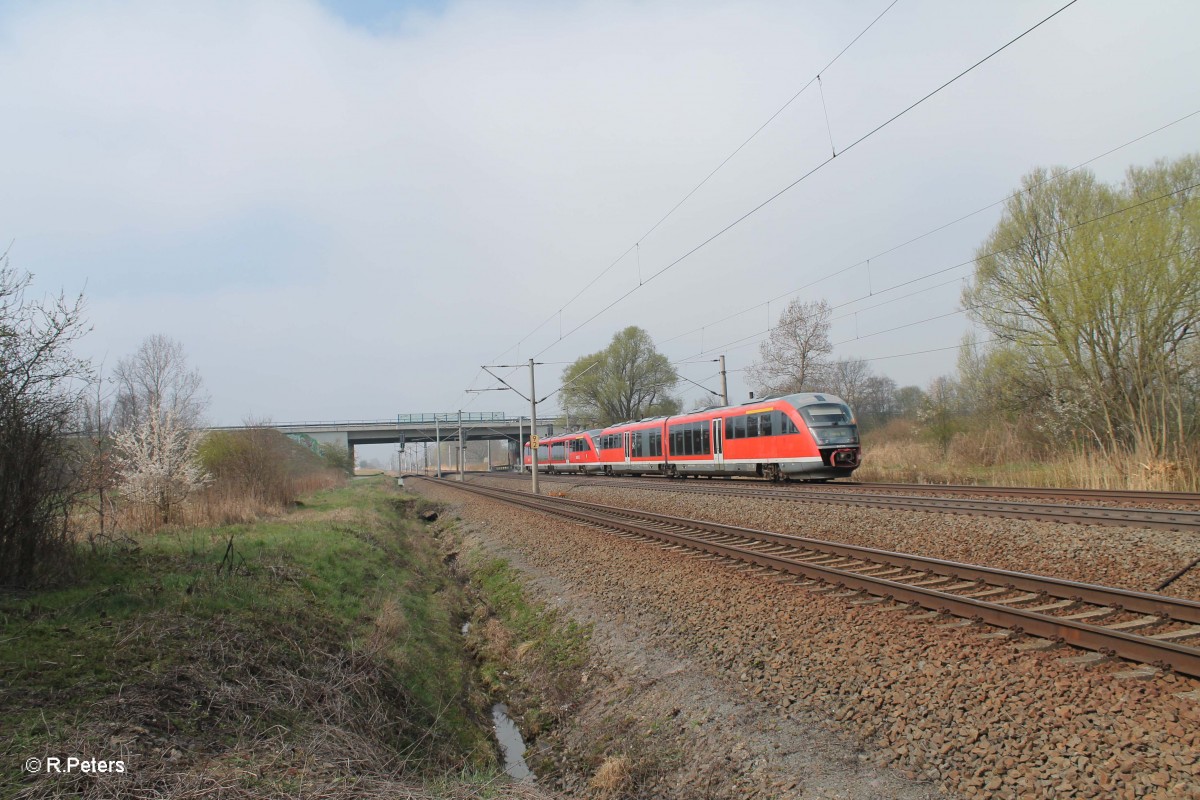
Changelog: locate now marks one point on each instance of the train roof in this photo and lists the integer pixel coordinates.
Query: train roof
(795, 399)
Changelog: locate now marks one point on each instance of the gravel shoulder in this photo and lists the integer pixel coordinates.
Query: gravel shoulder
(681, 724)
(884, 705)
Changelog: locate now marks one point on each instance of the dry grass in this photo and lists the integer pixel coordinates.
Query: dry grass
(211, 508)
(613, 776)
(998, 455)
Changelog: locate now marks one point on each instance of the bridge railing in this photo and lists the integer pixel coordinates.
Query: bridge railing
(399, 419)
(470, 416)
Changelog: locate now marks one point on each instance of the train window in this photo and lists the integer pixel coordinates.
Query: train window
(752, 424)
(827, 414)
(786, 426)
(704, 438)
(656, 443)
(557, 451)
(765, 427)
(737, 427)
(543, 452)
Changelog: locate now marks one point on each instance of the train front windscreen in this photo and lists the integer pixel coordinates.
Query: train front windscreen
(830, 423)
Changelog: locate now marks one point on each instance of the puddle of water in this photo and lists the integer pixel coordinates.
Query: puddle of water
(511, 744)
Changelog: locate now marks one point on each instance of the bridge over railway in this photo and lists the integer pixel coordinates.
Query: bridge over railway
(404, 428)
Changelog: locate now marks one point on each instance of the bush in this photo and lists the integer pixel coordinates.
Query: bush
(260, 463)
(39, 387)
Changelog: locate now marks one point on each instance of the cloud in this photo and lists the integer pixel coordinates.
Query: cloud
(345, 214)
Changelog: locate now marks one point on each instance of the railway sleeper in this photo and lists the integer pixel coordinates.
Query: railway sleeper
(960, 623)
(1182, 633)
(929, 583)
(1057, 605)
(1148, 621)
(1039, 645)
(1087, 659)
(1024, 598)
(1093, 614)
(1142, 672)
(987, 591)
(881, 571)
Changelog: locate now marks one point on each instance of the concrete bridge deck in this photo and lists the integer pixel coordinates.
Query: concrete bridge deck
(476, 426)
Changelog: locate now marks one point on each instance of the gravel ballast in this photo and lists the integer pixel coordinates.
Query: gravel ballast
(943, 709)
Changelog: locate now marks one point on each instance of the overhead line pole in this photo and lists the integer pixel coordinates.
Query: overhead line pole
(724, 384)
(533, 403)
(533, 442)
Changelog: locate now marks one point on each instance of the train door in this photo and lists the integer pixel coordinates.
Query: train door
(628, 437)
(718, 445)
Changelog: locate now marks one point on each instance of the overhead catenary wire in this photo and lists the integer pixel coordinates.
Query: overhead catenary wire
(759, 335)
(709, 176)
(802, 178)
(842, 270)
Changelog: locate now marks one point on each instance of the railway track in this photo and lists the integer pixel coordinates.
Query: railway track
(1154, 630)
(1102, 495)
(1170, 519)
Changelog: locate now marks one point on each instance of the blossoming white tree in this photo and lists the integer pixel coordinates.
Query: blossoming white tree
(157, 462)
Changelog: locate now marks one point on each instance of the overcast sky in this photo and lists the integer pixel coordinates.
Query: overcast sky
(342, 210)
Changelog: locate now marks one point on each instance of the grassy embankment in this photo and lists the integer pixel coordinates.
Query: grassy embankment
(319, 654)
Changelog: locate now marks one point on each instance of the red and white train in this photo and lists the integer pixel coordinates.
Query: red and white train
(798, 436)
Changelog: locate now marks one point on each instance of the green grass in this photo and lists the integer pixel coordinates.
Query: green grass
(341, 616)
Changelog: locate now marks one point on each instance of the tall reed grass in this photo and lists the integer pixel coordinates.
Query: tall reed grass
(1000, 455)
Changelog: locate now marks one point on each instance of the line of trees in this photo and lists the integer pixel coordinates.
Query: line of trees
(1090, 294)
(69, 449)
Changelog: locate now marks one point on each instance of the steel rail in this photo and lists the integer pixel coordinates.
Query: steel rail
(1113, 495)
(1170, 519)
(1158, 610)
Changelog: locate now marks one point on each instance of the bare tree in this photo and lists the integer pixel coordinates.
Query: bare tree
(941, 410)
(40, 383)
(795, 357)
(98, 469)
(157, 377)
(849, 379)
